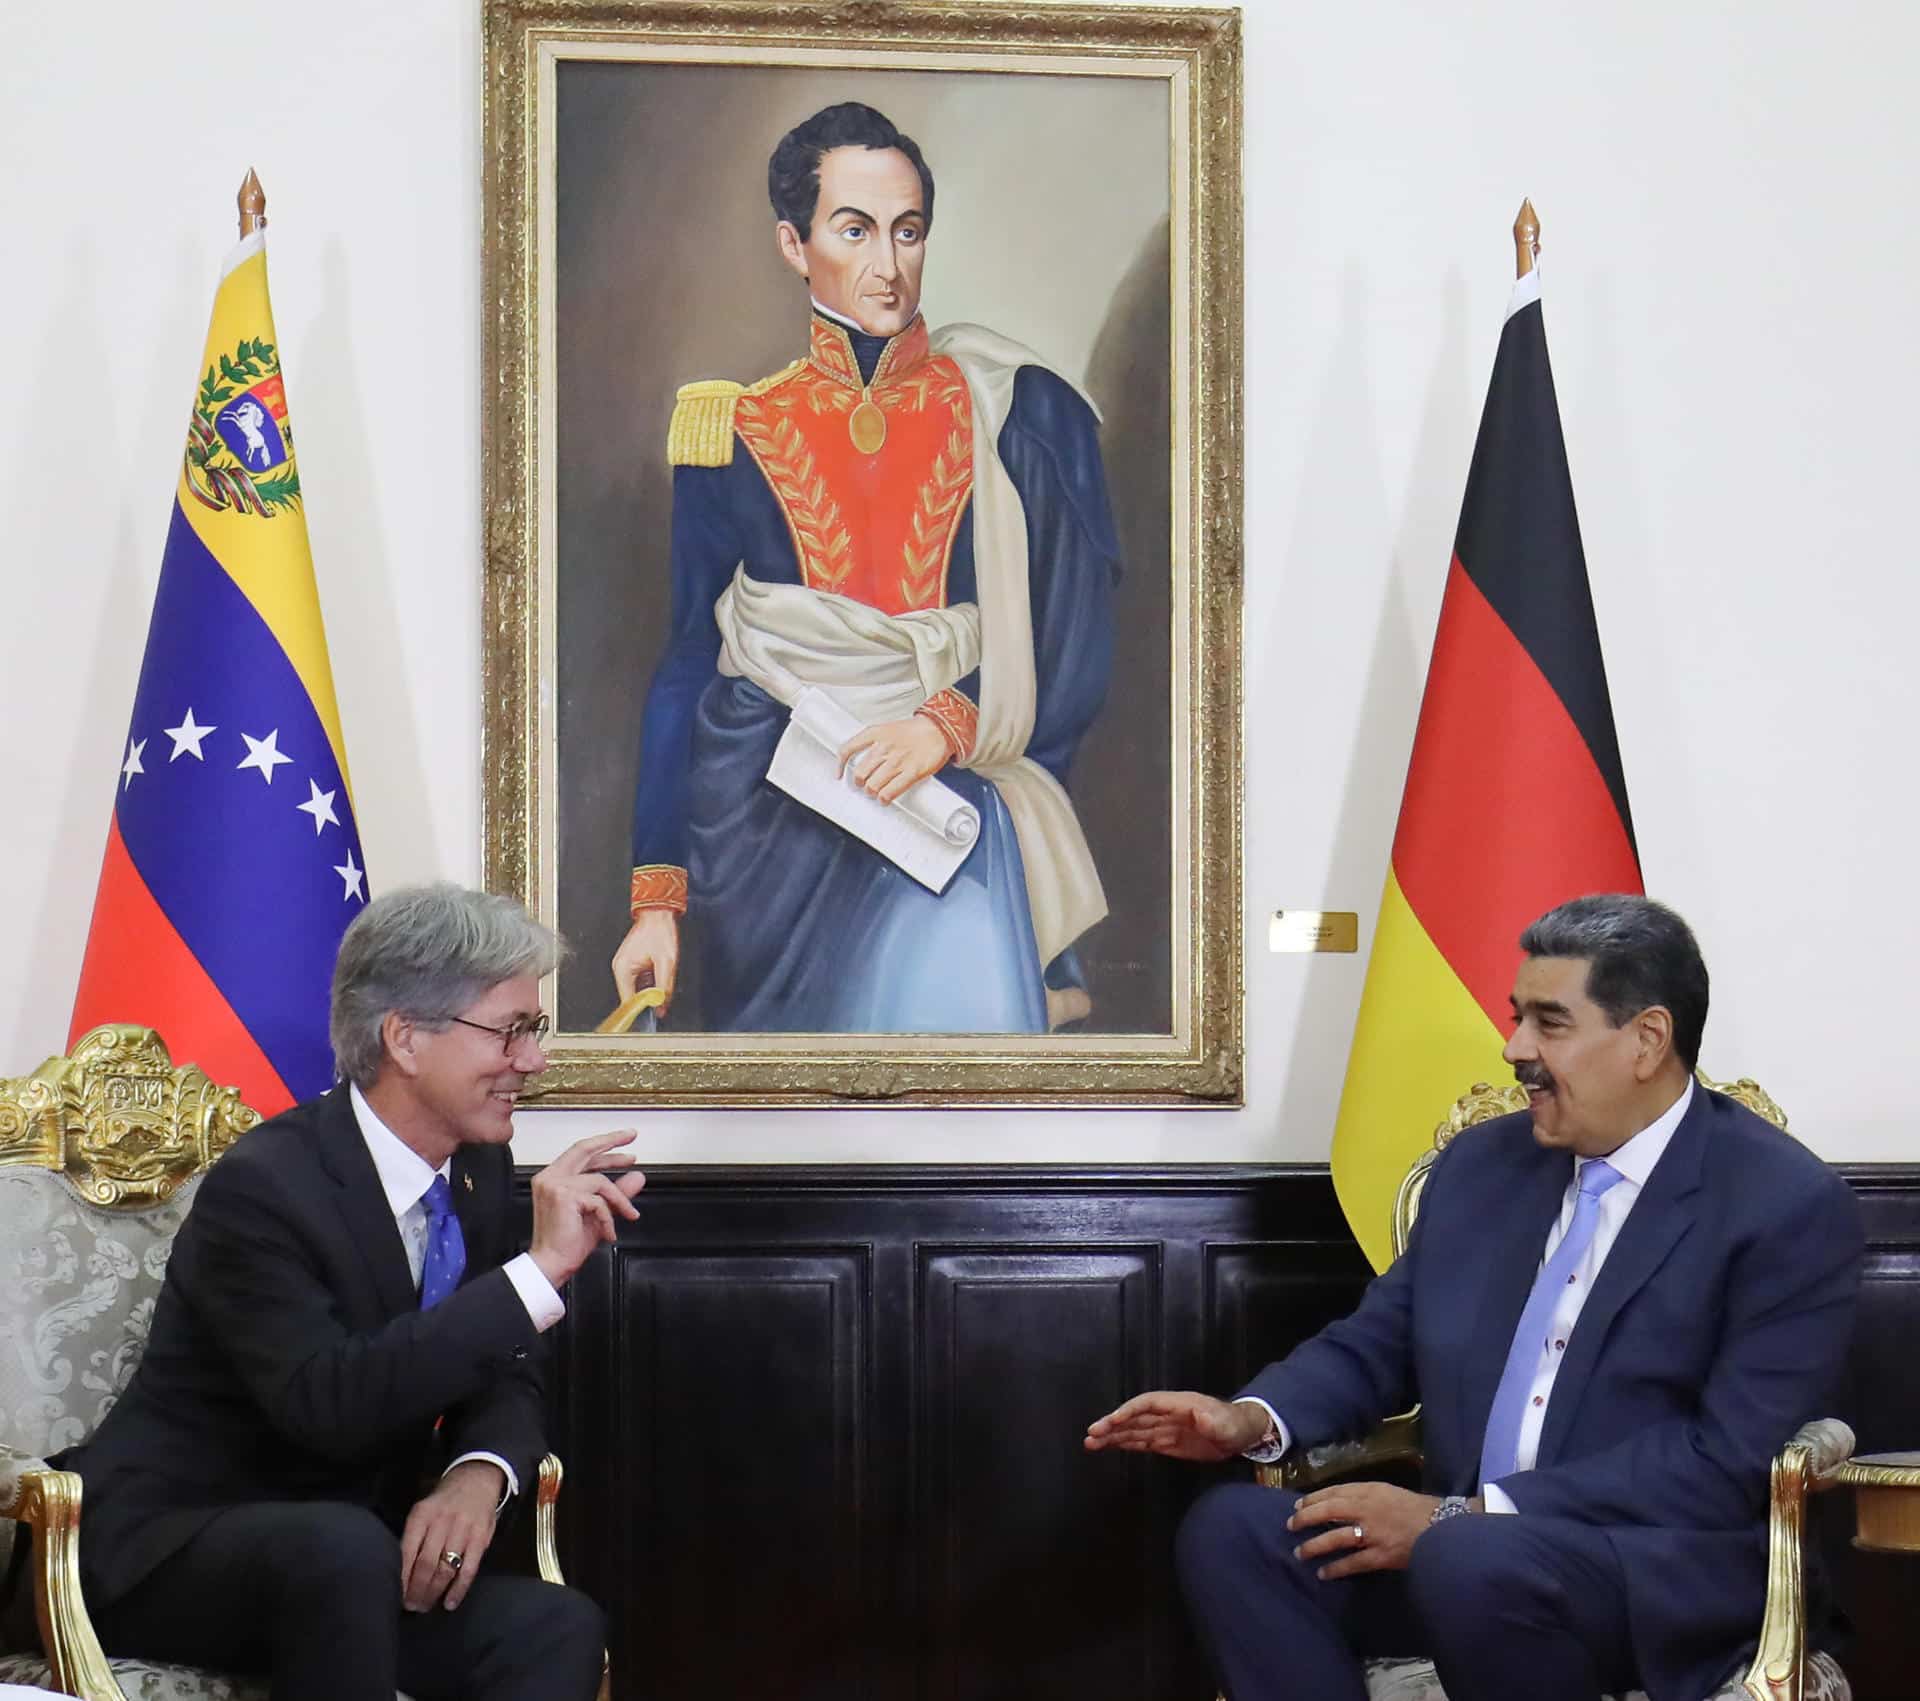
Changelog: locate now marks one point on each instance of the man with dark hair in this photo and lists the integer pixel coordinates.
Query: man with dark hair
(793, 169)
(1614, 1309)
(909, 534)
(341, 1390)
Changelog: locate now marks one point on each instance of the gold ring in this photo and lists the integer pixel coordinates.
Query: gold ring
(452, 1559)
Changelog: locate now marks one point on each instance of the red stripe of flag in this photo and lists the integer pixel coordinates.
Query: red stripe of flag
(150, 977)
(1506, 812)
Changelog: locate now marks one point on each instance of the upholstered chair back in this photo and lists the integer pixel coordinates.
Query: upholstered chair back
(100, 1154)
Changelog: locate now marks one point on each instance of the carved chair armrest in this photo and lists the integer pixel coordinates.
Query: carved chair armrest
(1811, 1461)
(1397, 1441)
(546, 1551)
(49, 1501)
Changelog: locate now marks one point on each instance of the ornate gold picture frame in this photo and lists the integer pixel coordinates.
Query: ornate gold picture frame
(649, 341)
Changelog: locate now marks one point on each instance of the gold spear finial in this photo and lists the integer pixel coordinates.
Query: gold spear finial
(1526, 240)
(253, 205)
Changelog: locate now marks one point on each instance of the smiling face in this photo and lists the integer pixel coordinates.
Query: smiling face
(1591, 1086)
(458, 1083)
(863, 255)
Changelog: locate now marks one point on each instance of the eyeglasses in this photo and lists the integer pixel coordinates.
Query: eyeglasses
(527, 1028)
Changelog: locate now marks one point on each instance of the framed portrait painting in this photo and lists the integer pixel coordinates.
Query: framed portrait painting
(862, 476)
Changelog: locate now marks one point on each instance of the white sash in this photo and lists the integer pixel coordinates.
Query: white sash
(882, 667)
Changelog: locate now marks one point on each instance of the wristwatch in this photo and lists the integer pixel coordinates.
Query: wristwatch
(1453, 1506)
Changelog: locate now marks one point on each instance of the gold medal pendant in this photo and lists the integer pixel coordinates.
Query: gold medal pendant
(867, 425)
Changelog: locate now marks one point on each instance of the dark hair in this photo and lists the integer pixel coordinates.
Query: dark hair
(793, 171)
(1638, 954)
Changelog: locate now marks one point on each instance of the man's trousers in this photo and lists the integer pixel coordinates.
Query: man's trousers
(1509, 1608)
(308, 1593)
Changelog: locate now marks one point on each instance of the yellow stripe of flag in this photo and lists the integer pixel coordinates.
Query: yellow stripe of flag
(273, 564)
(1421, 1041)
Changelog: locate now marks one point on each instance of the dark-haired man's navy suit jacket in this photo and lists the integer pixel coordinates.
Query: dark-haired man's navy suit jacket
(1716, 1327)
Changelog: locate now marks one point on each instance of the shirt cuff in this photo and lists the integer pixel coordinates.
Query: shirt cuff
(1497, 1499)
(657, 886)
(958, 721)
(1266, 1452)
(544, 1306)
(506, 1470)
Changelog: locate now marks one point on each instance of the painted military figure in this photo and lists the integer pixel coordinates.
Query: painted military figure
(915, 527)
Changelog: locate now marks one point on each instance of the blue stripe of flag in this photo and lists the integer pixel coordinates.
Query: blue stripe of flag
(233, 862)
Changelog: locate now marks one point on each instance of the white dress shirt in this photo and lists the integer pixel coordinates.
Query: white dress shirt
(405, 1177)
(1634, 1160)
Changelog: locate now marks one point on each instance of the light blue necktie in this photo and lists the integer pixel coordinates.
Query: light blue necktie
(1499, 1453)
(446, 1257)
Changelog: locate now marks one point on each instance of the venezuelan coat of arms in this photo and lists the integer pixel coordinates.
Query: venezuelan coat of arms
(239, 446)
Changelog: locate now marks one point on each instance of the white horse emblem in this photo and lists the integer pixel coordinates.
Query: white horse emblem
(249, 416)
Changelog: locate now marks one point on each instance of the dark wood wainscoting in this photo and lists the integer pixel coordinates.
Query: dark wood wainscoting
(822, 1426)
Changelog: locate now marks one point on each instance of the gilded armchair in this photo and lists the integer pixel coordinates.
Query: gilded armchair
(101, 1152)
(1782, 1669)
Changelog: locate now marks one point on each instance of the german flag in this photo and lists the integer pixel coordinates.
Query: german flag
(1515, 798)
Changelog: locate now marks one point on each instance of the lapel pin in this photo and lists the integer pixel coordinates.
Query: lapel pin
(467, 1182)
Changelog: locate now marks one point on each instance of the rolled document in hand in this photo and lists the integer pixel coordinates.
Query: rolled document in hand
(926, 831)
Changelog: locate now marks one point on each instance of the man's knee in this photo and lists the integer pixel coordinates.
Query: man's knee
(1462, 1566)
(574, 1621)
(347, 1550)
(548, 1629)
(1233, 1526)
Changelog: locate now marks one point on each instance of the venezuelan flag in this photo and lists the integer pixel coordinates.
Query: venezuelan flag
(1515, 799)
(233, 860)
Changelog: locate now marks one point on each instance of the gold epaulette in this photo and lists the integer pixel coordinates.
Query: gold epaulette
(701, 434)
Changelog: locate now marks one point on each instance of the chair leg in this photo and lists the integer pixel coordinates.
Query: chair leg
(50, 1502)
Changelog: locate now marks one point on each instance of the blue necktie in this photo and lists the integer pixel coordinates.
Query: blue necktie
(446, 1247)
(1499, 1453)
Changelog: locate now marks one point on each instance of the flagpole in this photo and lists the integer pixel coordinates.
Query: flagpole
(253, 205)
(1526, 240)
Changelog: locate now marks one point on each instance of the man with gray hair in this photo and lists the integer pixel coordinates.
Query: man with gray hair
(1614, 1309)
(342, 1390)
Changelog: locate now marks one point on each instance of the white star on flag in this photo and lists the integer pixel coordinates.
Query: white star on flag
(132, 764)
(264, 754)
(186, 738)
(351, 875)
(320, 806)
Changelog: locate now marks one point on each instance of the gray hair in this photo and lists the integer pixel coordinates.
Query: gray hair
(426, 952)
(1638, 954)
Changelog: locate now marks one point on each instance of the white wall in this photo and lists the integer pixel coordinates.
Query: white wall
(1725, 194)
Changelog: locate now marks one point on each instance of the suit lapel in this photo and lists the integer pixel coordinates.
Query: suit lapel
(466, 1185)
(1519, 1237)
(362, 1203)
(1662, 1214)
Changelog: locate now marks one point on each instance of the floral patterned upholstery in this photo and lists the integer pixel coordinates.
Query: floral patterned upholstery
(144, 1681)
(1414, 1680)
(77, 1290)
(77, 1286)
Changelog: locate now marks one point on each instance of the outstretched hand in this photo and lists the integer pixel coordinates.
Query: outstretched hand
(1181, 1425)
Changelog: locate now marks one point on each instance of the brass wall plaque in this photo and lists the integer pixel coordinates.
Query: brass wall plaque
(1313, 930)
